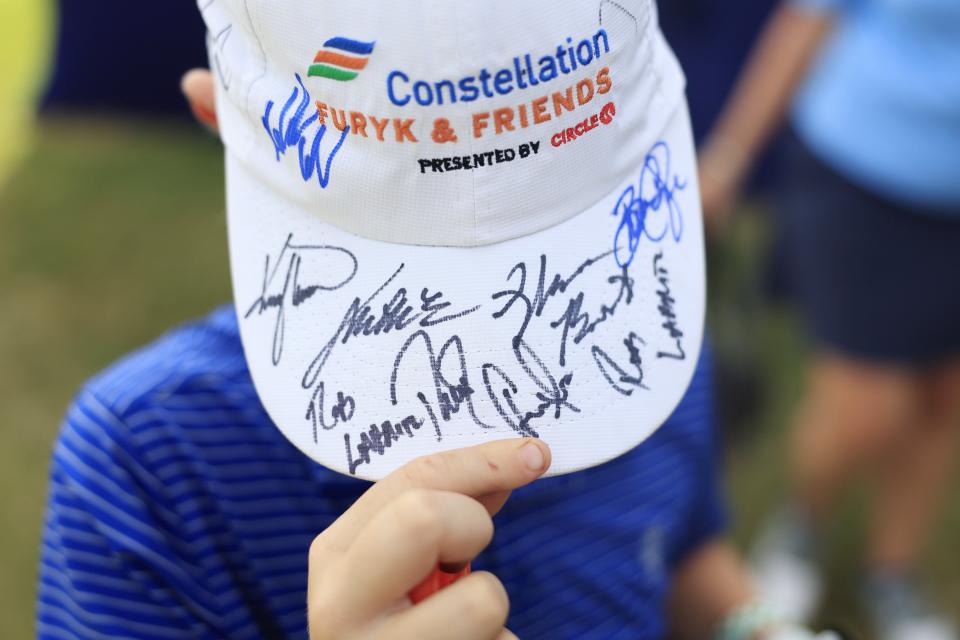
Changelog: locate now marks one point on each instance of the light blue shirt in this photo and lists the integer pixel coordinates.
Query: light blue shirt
(882, 104)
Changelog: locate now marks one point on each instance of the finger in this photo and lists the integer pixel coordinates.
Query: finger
(453, 567)
(489, 468)
(473, 608)
(197, 86)
(494, 501)
(403, 544)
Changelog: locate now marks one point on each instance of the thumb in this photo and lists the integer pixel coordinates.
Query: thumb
(197, 86)
(487, 472)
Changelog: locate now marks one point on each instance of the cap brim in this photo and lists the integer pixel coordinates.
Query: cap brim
(367, 354)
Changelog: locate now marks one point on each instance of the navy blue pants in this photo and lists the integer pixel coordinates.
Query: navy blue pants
(874, 279)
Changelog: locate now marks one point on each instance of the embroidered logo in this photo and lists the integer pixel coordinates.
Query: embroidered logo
(341, 59)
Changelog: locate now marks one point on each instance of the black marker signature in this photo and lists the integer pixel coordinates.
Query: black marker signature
(342, 410)
(291, 290)
(535, 305)
(377, 439)
(553, 391)
(360, 319)
(446, 398)
(449, 396)
(666, 309)
(518, 392)
(605, 363)
(656, 190)
(575, 318)
(558, 402)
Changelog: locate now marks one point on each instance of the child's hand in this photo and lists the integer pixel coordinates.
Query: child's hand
(197, 86)
(436, 509)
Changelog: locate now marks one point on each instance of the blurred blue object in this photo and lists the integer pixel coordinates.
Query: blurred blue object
(119, 55)
(881, 103)
(712, 40)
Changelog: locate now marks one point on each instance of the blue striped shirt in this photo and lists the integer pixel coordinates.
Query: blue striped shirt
(177, 510)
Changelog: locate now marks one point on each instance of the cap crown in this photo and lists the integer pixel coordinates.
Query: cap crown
(441, 123)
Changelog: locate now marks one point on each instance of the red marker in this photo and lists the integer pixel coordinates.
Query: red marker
(434, 582)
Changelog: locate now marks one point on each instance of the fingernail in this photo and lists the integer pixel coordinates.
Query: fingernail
(532, 456)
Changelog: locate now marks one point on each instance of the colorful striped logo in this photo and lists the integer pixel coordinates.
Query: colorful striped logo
(341, 59)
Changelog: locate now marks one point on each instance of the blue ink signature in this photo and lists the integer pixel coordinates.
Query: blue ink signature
(655, 192)
(292, 132)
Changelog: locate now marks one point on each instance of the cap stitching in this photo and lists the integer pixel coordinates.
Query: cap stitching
(473, 174)
(263, 56)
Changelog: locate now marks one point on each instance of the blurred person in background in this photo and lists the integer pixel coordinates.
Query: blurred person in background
(870, 215)
(712, 43)
(133, 40)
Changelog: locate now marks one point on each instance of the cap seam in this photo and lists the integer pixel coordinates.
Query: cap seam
(263, 55)
(473, 174)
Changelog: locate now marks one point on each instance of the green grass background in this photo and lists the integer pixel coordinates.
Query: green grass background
(112, 231)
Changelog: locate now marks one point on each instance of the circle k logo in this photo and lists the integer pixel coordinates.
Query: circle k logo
(570, 134)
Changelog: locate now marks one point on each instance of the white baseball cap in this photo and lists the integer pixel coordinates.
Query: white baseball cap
(452, 222)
